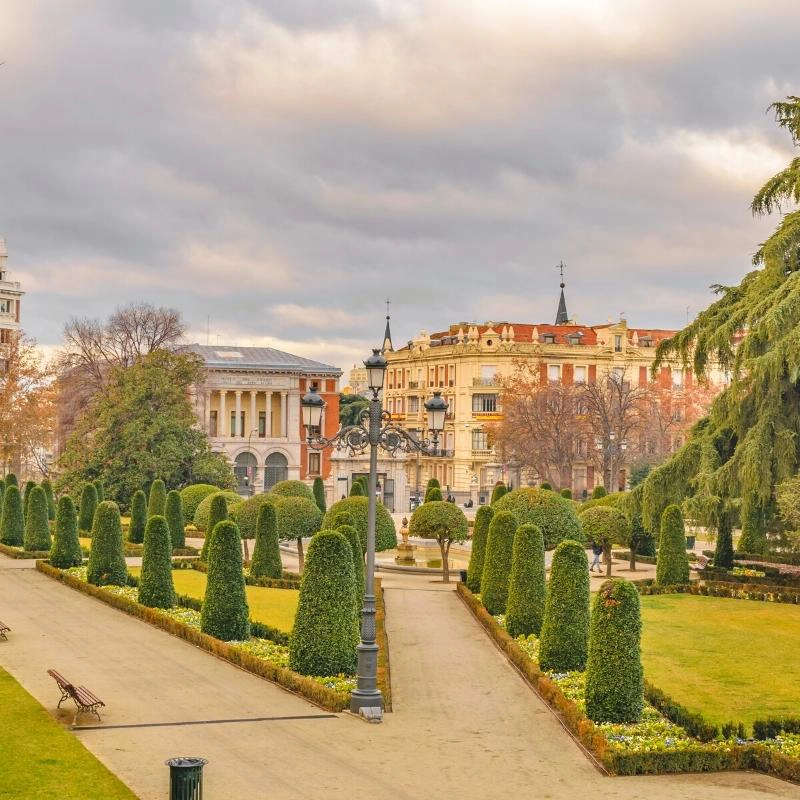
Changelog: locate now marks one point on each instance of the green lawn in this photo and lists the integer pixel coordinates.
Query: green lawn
(275, 607)
(728, 659)
(41, 759)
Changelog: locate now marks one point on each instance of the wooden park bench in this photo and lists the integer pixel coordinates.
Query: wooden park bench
(701, 563)
(84, 700)
(4, 629)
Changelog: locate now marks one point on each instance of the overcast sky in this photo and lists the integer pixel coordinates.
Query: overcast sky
(279, 167)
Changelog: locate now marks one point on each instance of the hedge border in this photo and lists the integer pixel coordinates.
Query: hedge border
(734, 591)
(18, 552)
(300, 685)
(268, 583)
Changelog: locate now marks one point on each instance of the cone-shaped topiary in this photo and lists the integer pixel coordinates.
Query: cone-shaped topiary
(245, 514)
(266, 561)
(672, 564)
(526, 589)
(479, 535)
(37, 525)
(218, 512)
(497, 562)
(27, 495)
(2, 490)
(138, 517)
(433, 495)
(157, 501)
(433, 482)
(65, 551)
(225, 613)
(88, 508)
(566, 494)
(351, 534)
(551, 512)
(358, 507)
(100, 489)
(565, 627)
(11, 480)
(12, 526)
(201, 516)
(723, 551)
(51, 500)
(356, 489)
(106, 558)
(598, 492)
(325, 632)
(614, 675)
(499, 490)
(192, 496)
(156, 589)
(319, 494)
(173, 511)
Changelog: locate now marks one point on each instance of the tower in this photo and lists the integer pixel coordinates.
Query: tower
(562, 318)
(387, 347)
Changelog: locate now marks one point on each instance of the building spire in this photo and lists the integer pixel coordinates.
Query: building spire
(387, 336)
(562, 318)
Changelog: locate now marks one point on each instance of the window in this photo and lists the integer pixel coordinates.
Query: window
(233, 424)
(553, 373)
(212, 424)
(618, 343)
(618, 374)
(580, 374)
(241, 423)
(574, 338)
(313, 463)
(677, 378)
(413, 405)
(485, 403)
(5, 336)
(580, 448)
(5, 306)
(480, 440)
(549, 338)
(262, 424)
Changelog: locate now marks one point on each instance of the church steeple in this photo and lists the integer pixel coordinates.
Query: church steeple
(562, 318)
(387, 336)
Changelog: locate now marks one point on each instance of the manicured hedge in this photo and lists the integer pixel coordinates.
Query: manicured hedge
(101, 491)
(51, 500)
(353, 539)
(156, 589)
(292, 488)
(527, 589)
(672, 566)
(192, 496)
(385, 533)
(357, 489)
(500, 489)
(598, 492)
(204, 509)
(552, 513)
(88, 507)
(12, 525)
(318, 490)
(497, 562)
(157, 500)
(433, 495)
(266, 561)
(173, 512)
(65, 551)
(480, 533)
(138, 517)
(245, 514)
(106, 557)
(37, 524)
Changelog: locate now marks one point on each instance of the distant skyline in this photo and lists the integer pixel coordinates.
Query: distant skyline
(280, 168)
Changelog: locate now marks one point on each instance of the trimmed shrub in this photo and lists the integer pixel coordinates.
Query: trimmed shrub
(201, 515)
(100, 489)
(106, 558)
(12, 526)
(325, 632)
(345, 518)
(173, 511)
(65, 552)
(192, 496)
(526, 588)
(565, 627)
(245, 514)
(26, 495)
(497, 562)
(11, 480)
(292, 488)
(606, 526)
(598, 492)
(37, 525)
(298, 518)
(442, 521)
(357, 490)
(480, 533)
(88, 507)
(51, 500)
(432, 482)
(218, 507)
(433, 495)
(156, 589)
(723, 550)
(546, 486)
(225, 614)
(549, 511)
(566, 494)
(351, 534)
(614, 675)
(499, 490)
(385, 533)
(672, 565)
(157, 501)
(266, 561)
(138, 523)
(319, 494)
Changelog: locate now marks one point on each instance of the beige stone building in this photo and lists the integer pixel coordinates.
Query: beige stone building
(10, 298)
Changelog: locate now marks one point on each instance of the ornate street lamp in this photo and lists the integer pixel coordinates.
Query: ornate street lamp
(374, 429)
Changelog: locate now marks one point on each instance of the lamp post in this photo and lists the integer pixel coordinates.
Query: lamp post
(612, 448)
(374, 429)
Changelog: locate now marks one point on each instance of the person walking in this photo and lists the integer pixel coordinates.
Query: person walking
(597, 551)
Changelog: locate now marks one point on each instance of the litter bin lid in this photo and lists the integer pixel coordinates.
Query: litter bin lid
(185, 762)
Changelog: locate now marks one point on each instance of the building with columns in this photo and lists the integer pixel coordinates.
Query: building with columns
(249, 404)
(10, 297)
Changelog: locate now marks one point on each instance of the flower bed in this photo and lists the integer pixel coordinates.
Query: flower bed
(748, 572)
(736, 591)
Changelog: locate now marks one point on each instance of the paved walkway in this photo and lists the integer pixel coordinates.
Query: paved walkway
(465, 725)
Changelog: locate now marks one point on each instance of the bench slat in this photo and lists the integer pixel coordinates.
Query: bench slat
(86, 698)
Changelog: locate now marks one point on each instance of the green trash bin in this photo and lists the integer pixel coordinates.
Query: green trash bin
(186, 778)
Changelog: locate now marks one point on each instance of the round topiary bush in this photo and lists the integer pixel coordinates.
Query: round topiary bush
(106, 558)
(12, 524)
(497, 562)
(614, 675)
(723, 551)
(357, 489)
(431, 483)
(292, 488)
(65, 552)
(546, 486)
(88, 508)
(298, 518)
(157, 500)
(527, 588)
(672, 563)
(138, 522)
(565, 627)
(433, 495)
(204, 509)
(37, 525)
(549, 511)
(245, 514)
(607, 526)
(499, 490)
(218, 506)
(325, 632)
(192, 496)
(444, 522)
(225, 614)
(566, 494)
(385, 533)
(598, 492)
(266, 561)
(318, 490)
(480, 533)
(51, 500)
(173, 511)
(156, 589)
(351, 534)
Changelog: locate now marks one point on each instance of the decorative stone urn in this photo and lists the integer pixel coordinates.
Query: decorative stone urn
(405, 551)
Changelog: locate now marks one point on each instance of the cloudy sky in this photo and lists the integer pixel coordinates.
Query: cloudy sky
(276, 168)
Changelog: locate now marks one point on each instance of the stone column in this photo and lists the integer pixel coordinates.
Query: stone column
(222, 423)
(207, 413)
(253, 424)
(237, 427)
(284, 410)
(268, 407)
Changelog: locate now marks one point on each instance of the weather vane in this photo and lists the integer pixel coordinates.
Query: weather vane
(388, 303)
(560, 268)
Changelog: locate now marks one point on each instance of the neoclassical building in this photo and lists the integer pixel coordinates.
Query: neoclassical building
(249, 404)
(10, 298)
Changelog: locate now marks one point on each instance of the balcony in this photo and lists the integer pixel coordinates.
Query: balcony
(481, 453)
(488, 416)
(439, 453)
(484, 381)
(416, 384)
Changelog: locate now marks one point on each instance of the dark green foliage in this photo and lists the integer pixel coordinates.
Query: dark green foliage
(565, 627)
(245, 514)
(101, 492)
(27, 495)
(225, 613)
(51, 500)
(433, 482)
(88, 507)
(356, 490)
(672, 566)
(325, 631)
(598, 492)
(497, 562)
(266, 561)
(723, 551)
(345, 518)
(351, 534)
(319, 494)
(442, 521)
(385, 533)
(566, 494)
(607, 526)
(201, 516)
(499, 490)
(526, 589)
(551, 512)
(292, 488)
(156, 589)
(157, 501)
(37, 525)
(106, 558)
(753, 538)
(298, 517)
(638, 474)
(65, 551)
(192, 496)
(173, 511)
(138, 522)
(480, 533)
(11, 480)
(614, 675)
(217, 512)
(433, 495)
(546, 486)
(12, 526)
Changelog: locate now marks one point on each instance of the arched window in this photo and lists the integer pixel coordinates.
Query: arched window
(244, 468)
(276, 469)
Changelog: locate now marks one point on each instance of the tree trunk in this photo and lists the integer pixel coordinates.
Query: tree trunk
(444, 547)
(634, 545)
(300, 559)
(607, 549)
(246, 551)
